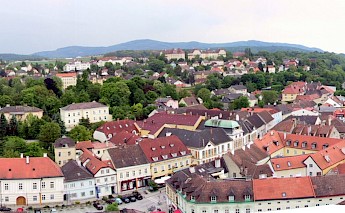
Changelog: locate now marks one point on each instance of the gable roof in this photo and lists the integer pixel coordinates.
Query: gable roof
(198, 139)
(190, 101)
(286, 163)
(84, 144)
(124, 137)
(114, 127)
(85, 105)
(92, 163)
(63, 141)
(330, 185)
(19, 109)
(38, 167)
(74, 172)
(282, 188)
(126, 156)
(227, 124)
(156, 149)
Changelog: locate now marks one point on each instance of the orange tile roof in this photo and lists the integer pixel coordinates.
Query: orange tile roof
(69, 74)
(38, 167)
(330, 156)
(84, 144)
(282, 188)
(99, 145)
(286, 163)
(94, 164)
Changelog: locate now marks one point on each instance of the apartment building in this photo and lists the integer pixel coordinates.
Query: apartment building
(68, 79)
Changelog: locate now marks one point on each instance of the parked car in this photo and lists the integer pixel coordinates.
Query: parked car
(98, 206)
(137, 195)
(5, 209)
(125, 199)
(53, 210)
(132, 198)
(113, 200)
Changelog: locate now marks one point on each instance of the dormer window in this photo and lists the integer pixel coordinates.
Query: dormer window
(325, 146)
(231, 198)
(304, 144)
(288, 143)
(171, 145)
(174, 154)
(213, 198)
(153, 148)
(165, 156)
(183, 152)
(284, 194)
(289, 163)
(192, 198)
(313, 145)
(278, 166)
(155, 158)
(295, 143)
(246, 197)
(163, 147)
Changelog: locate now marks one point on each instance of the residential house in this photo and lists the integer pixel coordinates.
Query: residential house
(94, 111)
(291, 91)
(205, 145)
(64, 149)
(166, 155)
(68, 79)
(189, 101)
(20, 112)
(76, 65)
(305, 112)
(239, 89)
(111, 128)
(79, 183)
(30, 181)
(103, 172)
(168, 102)
(153, 125)
(292, 166)
(132, 168)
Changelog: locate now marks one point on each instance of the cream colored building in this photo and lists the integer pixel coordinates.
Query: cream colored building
(64, 149)
(94, 111)
(20, 112)
(68, 79)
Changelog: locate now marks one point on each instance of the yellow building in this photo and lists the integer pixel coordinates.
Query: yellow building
(64, 149)
(174, 54)
(166, 155)
(68, 79)
(20, 112)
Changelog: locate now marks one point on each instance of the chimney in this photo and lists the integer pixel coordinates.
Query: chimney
(27, 159)
(309, 130)
(45, 155)
(284, 135)
(217, 163)
(21, 155)
(237, 117)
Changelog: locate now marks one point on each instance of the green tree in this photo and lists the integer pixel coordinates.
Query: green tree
(138, 111)
(112, 207)
(5, 99)
(49, 132)
(85, 122)
(80, 133)
(34, 150)
(204, 94)
(239, 103)
(156, 65)
(115, 94)
(13, 146)
(13, 126)
(3, 126)
(269, 96)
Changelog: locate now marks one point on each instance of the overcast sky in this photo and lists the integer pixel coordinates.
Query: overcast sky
(29, 26)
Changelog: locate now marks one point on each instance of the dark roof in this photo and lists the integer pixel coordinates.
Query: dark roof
(85, 105)
(74, 172)
(238, 87)
(330, 185)
(198, 139)
(230, 97)
(18, 109)
(62, 142)
(190, 101)
(210, 113)
(256, 120)
(304, 119)
(266, 116)
(126, 156)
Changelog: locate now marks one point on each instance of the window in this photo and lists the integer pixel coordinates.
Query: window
(52, 197)
(310, 173)
(145, 171)
(162, 168)
(69, 153)
(192, 211)
(259, 210)
(269, 209)
(204, 211)
(247, 210)
(127, 174)
(215, 211)
(34, 198)
(237, 211)
(91, 192)
(34, 186)
(231, 198)
(192, 198)
(102, 171)
(43, 185)
(90, 183)
(133, 173)
(121, 175)
(43, 197)
(278, 208)
(317, 204)
(6, 186)
(107, 170)
(297, 207)
(306, 206)
(310, 165)
(105, 179)
(213, 198)
(155, 170)
(7, 199)
(59, 154)
(247, 197)
(82, 184)
(20, 186)
(83, 194)
(187, 162)
(52, 185)
(226, 211)
(288, 207)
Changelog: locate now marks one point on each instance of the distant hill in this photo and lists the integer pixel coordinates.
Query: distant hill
(147, 44)
(16, 57)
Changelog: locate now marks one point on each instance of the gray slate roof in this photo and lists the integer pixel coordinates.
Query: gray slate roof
(73, 172)
(85, 105)
(127, 156)
(198, 139)
(60, 142)
(18, 109)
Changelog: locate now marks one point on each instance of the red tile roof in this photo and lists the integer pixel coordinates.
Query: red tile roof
(286, 163)
(84, 144)
(124, 137)
(99, 145)
(114, 127)
(330, 156)
(93, 164)
(38, 167)
(65, 75)
(155, 122)
(282, 188)
(165, 146)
